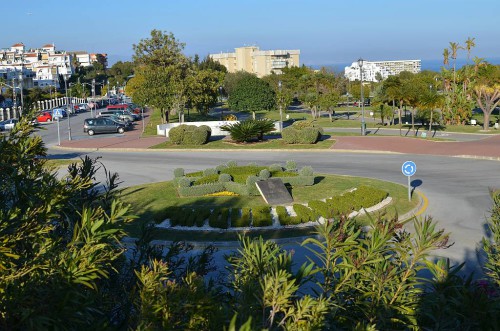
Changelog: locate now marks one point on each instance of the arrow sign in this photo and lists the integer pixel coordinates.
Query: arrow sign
(409, 168)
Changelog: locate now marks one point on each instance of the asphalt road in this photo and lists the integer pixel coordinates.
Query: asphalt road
(457, 189)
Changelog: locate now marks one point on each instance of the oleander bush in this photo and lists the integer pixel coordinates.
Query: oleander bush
(240, 220)
(207, 179)
(178, 172)
(261, 216)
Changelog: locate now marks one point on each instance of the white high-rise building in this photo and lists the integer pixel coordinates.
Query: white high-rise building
(385, 68)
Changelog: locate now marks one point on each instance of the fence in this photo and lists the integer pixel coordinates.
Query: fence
(14, 112)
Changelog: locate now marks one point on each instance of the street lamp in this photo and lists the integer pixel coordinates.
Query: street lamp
(66, 77)
(21, 88)
(280, 100)
(221, 109)
(363, 124)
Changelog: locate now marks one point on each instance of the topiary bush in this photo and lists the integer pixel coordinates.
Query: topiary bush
(290, 135)
(302, 132)
(178, 172)
(190, 134)
(275, 167)
(220, 167)
(252, 188)
(309, 136)
(291, 165)
(224, 178)
(306, 171)
(176, 134)
(184, 182)
(264, 174)
(231, 164)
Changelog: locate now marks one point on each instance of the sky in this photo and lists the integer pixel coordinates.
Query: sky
(325, 32)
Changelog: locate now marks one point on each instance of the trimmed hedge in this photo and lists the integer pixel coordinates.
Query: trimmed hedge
(216, 220)
(299, 180)
(207, 179)
(291, 165)
(190, 134)
(261, 216)
(252, 188)
(302, 132)
(286, 219)
(321, 208)
(304, 213)
(237, 188)
(275, 167)
(178, 172)
(210, 171)
(306, 171)
(363, 197)
(201, 215)
(201, 190)
(195, 174)
(240, 220)
(184, 182)
(264, 174)
(281, 173)
(225, 178)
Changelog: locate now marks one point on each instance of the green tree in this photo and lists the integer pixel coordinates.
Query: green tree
(203, 89)
(231, 80)
(159, 60)
(252, 94)
(487, 98)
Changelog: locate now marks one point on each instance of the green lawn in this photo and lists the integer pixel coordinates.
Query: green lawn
(150, 201)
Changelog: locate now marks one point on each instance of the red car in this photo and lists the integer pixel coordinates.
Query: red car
(45, 117)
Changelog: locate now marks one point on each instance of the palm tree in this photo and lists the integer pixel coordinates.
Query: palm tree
(454, 49)
(469, 44)
(446, 56)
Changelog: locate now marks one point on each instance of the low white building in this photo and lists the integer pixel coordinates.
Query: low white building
(384, 68)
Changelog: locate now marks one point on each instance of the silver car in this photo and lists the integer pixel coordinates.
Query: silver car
(8, 124)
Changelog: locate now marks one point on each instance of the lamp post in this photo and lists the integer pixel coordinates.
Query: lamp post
(66, 76)
(363, 124)
(93, 99)
(280, 100)
(221, 109)
(21, 88)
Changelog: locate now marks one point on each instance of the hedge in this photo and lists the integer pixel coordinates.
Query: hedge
(306, 171)
(286, 219)
(240, 220)
(210, 171)
(363, 197)
(264, 174)
(304, 213)
(261, 216)
(299, 180)
(237, 188)
(225, 178)
(183, 182)
(275, 167)
(281, 173)
(321, 208)
(252, 188)
(207, 179)
(201, 215)
(201, 190)
(216, 220)
(178, 172)
(190, 134)
(301, 134)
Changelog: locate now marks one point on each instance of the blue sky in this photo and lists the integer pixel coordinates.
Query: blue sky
(326, 32)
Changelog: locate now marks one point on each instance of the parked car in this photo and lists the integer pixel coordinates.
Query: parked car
(120, 113)
(117, 119)
(8, 124)
(44, 117)
(102, 125)
(83, 107)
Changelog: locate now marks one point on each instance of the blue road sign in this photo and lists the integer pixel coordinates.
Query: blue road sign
(409, 168)
(57, 113)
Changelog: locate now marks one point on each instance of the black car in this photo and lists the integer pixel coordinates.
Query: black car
(102, 125)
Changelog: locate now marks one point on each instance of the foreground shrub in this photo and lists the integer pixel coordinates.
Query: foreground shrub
(239, 220)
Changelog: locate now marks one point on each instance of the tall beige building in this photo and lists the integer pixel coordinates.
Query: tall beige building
(252, 59)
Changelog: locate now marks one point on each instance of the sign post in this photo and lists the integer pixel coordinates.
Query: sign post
(58, 132)
(409, 168)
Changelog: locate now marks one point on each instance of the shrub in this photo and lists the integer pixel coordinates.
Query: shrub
(176, 134)
(299, 125)
(231, 164)
(223, 178)
(184, 182)
(209, 171)
(304, 213)
(291, 165)
(178, 172)
(264, 126)
(216, 219)
(264, 174)
(243, 131)
(190, 217)
(201, 215)
(252, 188)
(299, 180)
(309, 136)
(286, 219)
(290, 135)
(214, 178)
(261, 216)
(306, 171)
(321, 208)
(240, 220)
(275, 167)
(240, 189)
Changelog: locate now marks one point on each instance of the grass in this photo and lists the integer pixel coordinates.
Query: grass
(150, 201)
(59, 163)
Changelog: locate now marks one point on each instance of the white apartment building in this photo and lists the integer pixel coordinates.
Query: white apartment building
(385, 68)
(252, 59)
